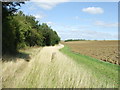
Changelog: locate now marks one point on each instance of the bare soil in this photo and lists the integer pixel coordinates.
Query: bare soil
(102, 50)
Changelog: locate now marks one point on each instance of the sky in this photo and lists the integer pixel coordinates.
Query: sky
(77, 20)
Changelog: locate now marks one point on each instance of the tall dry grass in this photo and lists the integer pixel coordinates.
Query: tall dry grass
(43, 71)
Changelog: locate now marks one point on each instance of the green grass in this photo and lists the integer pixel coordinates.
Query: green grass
(104, 71)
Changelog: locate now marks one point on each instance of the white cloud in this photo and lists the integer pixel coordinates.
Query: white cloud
(50, 23)
(49, 0)
(76, 0)
(104, 24)
(84, 32)
(95, 0)
(99, 35)
(48, 4)
(93, 10)
(39, 16)
(88, 34)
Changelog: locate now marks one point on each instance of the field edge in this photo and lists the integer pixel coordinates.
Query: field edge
(100, 68)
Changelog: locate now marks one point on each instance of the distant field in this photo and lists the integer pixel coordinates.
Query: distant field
(102, 50)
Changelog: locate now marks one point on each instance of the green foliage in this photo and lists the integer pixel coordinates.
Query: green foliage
(20, 30)
(8, 36)
(9, 26)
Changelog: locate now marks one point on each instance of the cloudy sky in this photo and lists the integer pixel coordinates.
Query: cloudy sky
(86, 20)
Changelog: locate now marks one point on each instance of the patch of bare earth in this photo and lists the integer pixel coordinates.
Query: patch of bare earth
(102, 50)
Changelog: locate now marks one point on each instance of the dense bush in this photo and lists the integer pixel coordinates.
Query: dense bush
(20, 30)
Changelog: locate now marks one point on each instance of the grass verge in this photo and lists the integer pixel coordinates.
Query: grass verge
(104, 71)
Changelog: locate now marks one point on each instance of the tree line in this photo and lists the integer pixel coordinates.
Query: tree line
(20, 30)
(74, 40)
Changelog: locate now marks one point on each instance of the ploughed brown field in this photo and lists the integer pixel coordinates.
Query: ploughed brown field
(102, 50)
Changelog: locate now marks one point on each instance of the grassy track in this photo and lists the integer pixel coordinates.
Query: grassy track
(50, 68)
(105, 72)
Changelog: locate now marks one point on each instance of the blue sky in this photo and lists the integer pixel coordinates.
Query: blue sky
(76, 20)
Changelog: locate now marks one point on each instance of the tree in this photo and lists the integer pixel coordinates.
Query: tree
(20, 30)
(9, 26)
